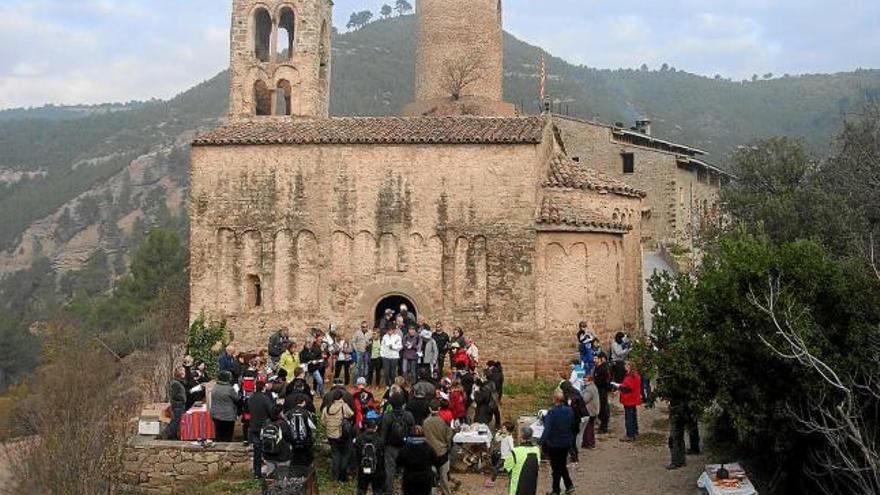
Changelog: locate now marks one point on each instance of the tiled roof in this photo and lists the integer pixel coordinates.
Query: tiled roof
(378, 130)
(555, 212)
(566, 173)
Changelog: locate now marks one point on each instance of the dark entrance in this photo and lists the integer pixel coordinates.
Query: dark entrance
(393, 303)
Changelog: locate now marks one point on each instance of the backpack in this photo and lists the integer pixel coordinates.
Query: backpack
(399, 430)
(369, 458)
(271, 438)
(302, 433)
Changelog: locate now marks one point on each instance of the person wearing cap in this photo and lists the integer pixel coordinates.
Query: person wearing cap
(585, 347)
(369, 443)
(224, 407)
(523, 464)
(362, 400)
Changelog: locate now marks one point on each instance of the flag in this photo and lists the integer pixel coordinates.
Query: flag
(543, 78)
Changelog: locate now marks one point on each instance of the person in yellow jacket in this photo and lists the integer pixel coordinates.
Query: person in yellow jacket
(523, 465)
(289, 360)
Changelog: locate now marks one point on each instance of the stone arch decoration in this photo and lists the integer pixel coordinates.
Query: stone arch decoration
(281, 274)
(262, 98)
(394, 285)
(251, 266)
(307, 273)
(227, 295)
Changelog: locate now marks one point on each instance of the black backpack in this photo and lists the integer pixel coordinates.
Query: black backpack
(271, 438)
(399, 430)
(369, 458)
(300, 430)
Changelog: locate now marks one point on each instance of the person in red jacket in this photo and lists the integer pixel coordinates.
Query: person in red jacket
(631, 398)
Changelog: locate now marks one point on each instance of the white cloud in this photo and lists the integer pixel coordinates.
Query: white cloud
(91, 51)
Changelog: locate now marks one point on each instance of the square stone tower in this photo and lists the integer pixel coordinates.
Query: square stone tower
(280, 58)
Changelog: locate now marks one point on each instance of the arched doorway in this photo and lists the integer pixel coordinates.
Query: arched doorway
(393, 303)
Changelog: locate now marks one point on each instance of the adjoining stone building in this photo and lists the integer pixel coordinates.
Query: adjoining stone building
(472, 215)
(681, 186)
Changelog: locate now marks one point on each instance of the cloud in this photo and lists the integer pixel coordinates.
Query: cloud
(91, 51)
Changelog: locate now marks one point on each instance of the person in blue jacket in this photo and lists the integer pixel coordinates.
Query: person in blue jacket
(557, 441)
(585, 347)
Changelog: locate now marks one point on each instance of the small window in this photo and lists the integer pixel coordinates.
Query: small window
(576, 159)
(629, 163)
(262, 34)
(284, 48)
(282, 98)
(254, 291)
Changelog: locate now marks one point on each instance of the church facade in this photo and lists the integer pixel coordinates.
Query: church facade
(474, 216)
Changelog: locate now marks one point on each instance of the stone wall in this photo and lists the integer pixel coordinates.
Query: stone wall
(160, 467)
(455, 32)
(675, 195)
(327, 231)
(307, 70)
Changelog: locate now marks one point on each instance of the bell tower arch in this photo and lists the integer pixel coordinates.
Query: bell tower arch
(280, 58)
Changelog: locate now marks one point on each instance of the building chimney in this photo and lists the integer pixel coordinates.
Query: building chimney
(643, 126)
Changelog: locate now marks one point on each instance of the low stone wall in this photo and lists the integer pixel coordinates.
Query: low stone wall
(154, 466)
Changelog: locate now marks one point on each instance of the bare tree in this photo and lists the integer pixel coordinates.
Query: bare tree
(460, 73)
(838, 413)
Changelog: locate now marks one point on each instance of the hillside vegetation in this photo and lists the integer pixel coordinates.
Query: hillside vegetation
(79, 186)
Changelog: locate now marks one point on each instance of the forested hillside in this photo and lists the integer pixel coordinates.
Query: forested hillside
(79, 186)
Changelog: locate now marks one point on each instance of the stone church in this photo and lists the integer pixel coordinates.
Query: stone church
(469, 213)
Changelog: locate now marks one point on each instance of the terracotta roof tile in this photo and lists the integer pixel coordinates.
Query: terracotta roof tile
(557, 213)
(378, 130)
(566, 173)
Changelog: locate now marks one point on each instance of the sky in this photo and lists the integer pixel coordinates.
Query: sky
(94, 51)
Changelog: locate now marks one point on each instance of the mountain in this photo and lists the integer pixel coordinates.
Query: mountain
(79, 185)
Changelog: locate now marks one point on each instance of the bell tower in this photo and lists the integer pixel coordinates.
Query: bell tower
(280, 58)
(459, 58)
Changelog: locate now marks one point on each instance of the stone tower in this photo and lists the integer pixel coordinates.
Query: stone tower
(280, 58)
(459, 40)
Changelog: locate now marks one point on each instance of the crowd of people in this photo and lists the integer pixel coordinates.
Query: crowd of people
(431, 384)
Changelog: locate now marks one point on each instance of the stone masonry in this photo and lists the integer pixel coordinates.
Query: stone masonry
(262, 66)
(513, 227)
(682, 190)
(162, 467)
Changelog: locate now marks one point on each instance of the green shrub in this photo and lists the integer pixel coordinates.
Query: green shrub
(202, 337)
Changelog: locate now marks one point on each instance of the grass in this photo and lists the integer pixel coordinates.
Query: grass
(526, 398)
(229, 483)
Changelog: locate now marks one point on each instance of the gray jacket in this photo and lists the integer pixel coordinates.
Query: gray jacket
(591, 399)
(223, 401)
(431, 354)
(360, 341)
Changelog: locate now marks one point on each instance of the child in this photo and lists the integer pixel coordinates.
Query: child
(457, 401)
(578, 372)
(504, 438)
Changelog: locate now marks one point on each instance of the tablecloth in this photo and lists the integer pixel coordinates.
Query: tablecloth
(197, 424)
(706, 483)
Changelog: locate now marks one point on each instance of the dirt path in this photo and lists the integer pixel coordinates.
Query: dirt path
(616, 468)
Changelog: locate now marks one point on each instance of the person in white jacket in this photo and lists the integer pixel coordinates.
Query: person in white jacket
(392, 343)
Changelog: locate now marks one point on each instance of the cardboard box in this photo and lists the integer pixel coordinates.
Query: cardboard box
(149, 427)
